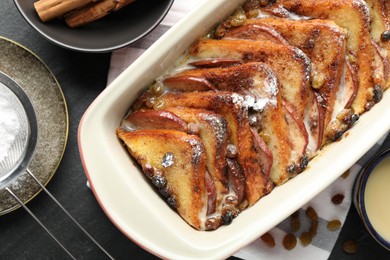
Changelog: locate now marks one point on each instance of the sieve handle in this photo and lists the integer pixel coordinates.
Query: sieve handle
(68, 214)
(39, 222)
(64, 210)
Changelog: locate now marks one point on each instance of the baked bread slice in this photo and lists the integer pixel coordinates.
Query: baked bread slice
(324, 43)
(287, 140)
(290, 64)
(176, 164)
(213, 131)
(234, 108)
(354, 17)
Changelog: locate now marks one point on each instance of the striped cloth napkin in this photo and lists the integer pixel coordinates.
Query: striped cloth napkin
(323, 242)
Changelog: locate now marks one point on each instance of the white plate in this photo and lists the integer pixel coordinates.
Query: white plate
(138, 211)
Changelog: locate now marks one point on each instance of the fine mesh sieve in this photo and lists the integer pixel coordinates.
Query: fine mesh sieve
(18, 139)
(18, 130)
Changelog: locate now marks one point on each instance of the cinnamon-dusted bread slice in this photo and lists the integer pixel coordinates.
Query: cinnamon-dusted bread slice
(290, 64)
(256, 79)
(354, 16)
(213, 130)
(323, 42)
(176, 164)
(234, 108)
(380, 33)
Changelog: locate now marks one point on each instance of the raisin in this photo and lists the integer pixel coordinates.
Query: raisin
(338, 199)
(251, 5)
(311, 214)
(354, 118)
(157, 89)
(231, 200)
(385, 36)
(350, 246)
(305, 238)
(149, 170)
(334, 225)
(369, 105)
(268, 239)
(291, 169)
(172, 202)
(238, 18)
(159, 181)
(165, 192)
(378, 93)
(158, 104)
(289, 241)
(228, 217)
(304, 162)
(212, 223)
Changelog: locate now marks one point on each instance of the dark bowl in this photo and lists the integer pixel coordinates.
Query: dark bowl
(114, 31)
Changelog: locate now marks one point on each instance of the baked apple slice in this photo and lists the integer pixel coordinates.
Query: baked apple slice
(299, 137)
(256, 32)
(154, 119)
(215, 63)
(176, 164)
(187, 83)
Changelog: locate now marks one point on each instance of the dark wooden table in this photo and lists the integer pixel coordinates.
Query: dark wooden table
(82, 77)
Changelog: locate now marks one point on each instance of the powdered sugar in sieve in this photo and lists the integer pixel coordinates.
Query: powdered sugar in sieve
(14, 132)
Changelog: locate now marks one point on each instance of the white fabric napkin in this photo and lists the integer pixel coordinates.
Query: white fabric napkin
(323, 242)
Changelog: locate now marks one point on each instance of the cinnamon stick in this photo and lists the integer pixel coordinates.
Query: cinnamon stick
(93, 11)
(122, 3)
(49, 9)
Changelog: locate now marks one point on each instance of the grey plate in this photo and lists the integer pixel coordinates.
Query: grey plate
(46, 96)
(114, 31)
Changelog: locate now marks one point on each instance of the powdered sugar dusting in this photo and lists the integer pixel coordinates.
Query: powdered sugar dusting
(197, 150)
(251, 102)
(13, 131)
(272, 88)
(9, 126)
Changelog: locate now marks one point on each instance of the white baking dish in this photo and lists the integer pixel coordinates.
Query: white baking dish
(138, 211)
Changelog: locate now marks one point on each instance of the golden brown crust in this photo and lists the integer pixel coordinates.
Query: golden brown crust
(354, 16)
(290, 64)
(258, 80)
(184, 171)
(213, 131)
(230, 106)
(324, 43)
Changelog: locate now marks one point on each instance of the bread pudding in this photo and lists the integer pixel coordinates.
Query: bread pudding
(250, 104)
